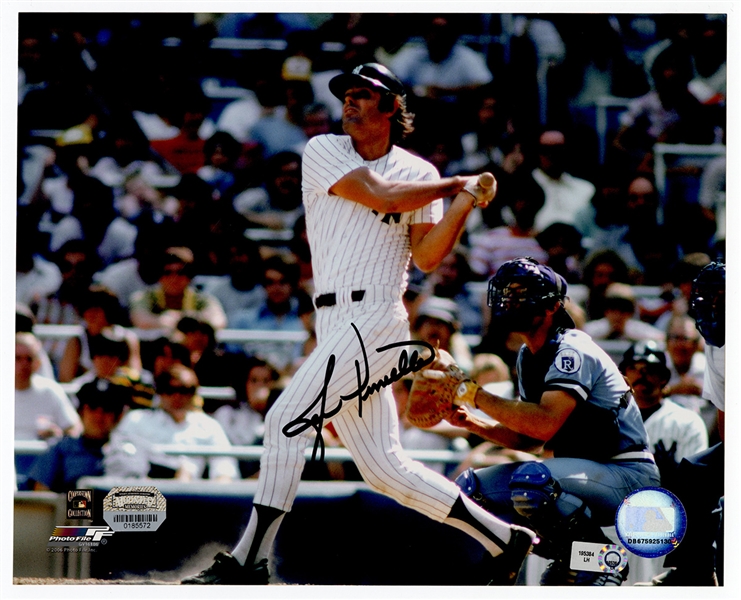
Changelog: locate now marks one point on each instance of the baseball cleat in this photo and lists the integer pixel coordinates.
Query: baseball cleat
(226, 570)
(506, 567)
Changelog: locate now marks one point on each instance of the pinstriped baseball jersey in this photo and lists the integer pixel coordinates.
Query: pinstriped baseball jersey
(352, 246)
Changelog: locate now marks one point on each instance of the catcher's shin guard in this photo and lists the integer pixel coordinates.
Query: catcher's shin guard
(470, 485)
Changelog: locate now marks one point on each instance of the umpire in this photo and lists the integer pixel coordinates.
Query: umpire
(573, 402)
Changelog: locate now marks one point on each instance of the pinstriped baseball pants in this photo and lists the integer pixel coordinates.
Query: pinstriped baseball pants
(373, 436)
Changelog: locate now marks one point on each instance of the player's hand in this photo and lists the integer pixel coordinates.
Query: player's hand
(482, 187)
(664, 455)
(687, 385)
(462, 417)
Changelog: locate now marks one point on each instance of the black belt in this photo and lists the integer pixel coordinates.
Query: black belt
(331, 299)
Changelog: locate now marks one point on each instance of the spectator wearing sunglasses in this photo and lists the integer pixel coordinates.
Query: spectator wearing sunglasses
(176, 420)
(173, 296)
(286, 308)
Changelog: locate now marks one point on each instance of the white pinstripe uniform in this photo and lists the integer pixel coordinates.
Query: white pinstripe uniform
(353, 248)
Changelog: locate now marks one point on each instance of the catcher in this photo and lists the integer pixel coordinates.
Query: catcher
(573, 401)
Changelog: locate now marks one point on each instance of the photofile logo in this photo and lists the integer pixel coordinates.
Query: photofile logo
(79, 536)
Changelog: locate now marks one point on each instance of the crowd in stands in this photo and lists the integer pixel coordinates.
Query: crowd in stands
(159, 208)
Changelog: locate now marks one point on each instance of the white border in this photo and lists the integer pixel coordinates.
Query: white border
(8, 101)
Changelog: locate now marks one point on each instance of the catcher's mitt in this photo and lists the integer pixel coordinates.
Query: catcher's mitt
(438, 391)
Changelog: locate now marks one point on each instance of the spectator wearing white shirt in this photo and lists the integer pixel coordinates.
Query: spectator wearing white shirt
(241, 288)
(35, 277)
(619, 322)
(567, 198)
(442, 67)
(175, 421)
(42, 409)
(687, 363)
(134, 274)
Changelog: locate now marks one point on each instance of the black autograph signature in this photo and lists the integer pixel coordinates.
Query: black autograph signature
(407, 364)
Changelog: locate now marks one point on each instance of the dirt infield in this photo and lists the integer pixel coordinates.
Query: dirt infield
(63, 581)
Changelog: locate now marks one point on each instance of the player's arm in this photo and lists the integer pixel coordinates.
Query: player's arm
(432, 243)
(539, 420)
(493, 432)
(368, 188)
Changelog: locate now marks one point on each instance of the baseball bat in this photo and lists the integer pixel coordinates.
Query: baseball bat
(486, 180)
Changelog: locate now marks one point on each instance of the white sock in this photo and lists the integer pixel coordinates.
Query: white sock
(492, 533)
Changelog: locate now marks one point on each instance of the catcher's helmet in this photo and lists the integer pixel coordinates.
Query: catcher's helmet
(521, 289)
(372, 75)
(648, 352)
(708, 303)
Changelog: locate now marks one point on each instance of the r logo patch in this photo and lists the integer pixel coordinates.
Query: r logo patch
(568, 360)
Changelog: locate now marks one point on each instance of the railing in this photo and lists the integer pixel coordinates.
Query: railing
(477, 289)
(662, 150)
(483, 41)
(208, 392)
(35, 448)
(61, 332)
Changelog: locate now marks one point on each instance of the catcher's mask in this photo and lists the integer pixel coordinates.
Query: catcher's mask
(649, 353)
(708, 303)
(523, 289)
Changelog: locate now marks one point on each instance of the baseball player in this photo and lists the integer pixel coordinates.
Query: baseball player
(370, 206)
(573, 400)
(699, 480)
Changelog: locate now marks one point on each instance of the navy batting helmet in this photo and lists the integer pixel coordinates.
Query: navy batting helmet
(648, 352)
(522, 289)
(372, 75)
(708, 303)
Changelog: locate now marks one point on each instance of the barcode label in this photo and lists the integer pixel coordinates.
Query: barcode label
(132, 518)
